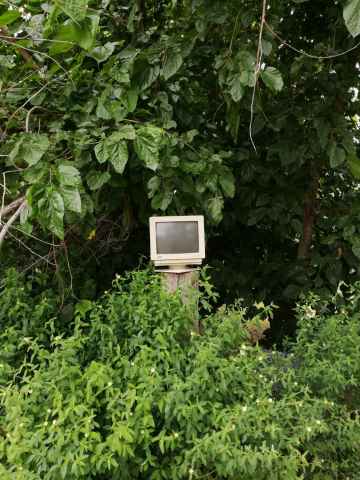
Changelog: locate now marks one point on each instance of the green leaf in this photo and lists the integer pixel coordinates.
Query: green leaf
(227, 182)
(9, 17)
(56, 224)
(266, 47)
(127, 132)
(75, 9)
(153, 185)
(354, 166)
(147, 145)
(29, 148)
(75, 33)
(162, 200)
(351, 14)
(272, 79)
(69, 176)
(102, 53)
(7, 61)
(215, 206)
(72, 199)
(113, 149)
(119, 160)
(51, 208)
(236, 89)
(336, 155)
(96, 179)
(172, 64)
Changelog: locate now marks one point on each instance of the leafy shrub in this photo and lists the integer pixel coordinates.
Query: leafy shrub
(127, 391)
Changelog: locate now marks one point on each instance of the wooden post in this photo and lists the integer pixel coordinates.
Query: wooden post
(188, 283)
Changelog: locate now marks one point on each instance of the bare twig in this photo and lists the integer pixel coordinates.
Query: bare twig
(11, 220)
(9, 208)
(257, 70)
(316, 57)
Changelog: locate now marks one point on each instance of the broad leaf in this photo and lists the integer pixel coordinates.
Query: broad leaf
(153, 186)
(9, 17)
(113, 149)
(147, 145)
(69, 176)
(51, 208)
(127, 132)
(236, 89)
(119, 160)
(102, 53)
(351, 15)
(336, 156)
(96, 179)
(75, 9)
(216, 205)
(172, 64)
(272, 79)
(354, 166)
(72, 199)
(29, 148)
(227, 182)
(162, 200)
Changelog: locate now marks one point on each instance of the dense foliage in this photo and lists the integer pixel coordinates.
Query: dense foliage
(121, 389)
(111, 111)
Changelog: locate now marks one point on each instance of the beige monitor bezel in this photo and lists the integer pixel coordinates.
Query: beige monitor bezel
(177, 258)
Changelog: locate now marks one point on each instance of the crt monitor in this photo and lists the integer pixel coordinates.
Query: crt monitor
(177, 240)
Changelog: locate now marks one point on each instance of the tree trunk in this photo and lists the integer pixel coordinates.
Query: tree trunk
(310, 212)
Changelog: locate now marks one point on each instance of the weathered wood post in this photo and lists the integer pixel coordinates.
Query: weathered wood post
(187, 281)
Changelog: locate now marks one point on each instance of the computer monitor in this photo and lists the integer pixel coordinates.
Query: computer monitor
(177, 242)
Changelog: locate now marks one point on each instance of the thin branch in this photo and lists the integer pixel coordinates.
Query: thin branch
(11, 220)
(257, 71)
(301, 52)
(9, 208)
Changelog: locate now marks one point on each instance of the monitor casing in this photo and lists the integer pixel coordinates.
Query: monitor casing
(177, 260)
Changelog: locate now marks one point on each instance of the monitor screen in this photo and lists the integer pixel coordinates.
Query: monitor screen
(177, 237)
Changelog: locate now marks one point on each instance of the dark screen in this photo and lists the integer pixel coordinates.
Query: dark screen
(177, 237)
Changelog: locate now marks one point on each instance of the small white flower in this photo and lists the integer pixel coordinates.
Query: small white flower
(244, 408)
(176, 435)
(54, 422)
(308, 429)
(295, 384)
(310, 312)
(109, 384)
(191, 471)
(131, 414)
(21, 9)
(270, 400)
(318, 422)
(48, 410)
(152, 370)
(45, 424)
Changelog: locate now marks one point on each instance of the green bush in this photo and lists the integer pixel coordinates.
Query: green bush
(127, 391)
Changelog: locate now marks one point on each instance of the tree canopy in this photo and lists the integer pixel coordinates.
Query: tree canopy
(244, 111)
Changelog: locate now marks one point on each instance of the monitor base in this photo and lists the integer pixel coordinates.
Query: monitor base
(176, 269)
